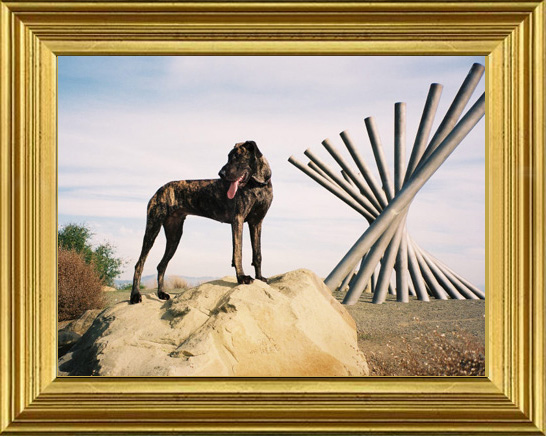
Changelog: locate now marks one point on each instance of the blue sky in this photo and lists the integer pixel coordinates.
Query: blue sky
(128, 125)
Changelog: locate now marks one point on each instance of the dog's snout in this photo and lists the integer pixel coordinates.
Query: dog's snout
(222, 172)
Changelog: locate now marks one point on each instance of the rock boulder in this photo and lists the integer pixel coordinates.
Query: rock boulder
(72, 330)
(291, 326)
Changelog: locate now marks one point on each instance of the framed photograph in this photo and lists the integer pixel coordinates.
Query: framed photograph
(36, 40)
(139, 129)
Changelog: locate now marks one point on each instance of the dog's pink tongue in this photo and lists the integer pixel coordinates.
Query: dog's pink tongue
(233, 189)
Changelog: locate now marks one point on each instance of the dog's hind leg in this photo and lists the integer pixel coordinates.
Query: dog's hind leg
(173, 232)
(153, 226)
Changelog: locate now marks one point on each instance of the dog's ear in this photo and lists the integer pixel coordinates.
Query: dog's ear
(252, 147)
(263, 172)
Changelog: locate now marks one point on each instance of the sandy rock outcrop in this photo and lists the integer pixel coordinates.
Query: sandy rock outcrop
(291, 326)
(72, 330)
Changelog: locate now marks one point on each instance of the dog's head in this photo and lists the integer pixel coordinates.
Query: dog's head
(245, 163)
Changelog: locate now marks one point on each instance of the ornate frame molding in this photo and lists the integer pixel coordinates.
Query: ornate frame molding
(509, 400)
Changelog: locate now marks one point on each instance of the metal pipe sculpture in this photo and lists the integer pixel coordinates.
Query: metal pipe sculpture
(385, 206)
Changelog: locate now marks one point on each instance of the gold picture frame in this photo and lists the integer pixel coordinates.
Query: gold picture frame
(510, 399)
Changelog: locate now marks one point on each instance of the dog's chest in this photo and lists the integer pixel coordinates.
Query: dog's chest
(256, 202)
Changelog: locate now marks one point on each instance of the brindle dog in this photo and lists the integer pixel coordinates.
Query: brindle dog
(242, 194)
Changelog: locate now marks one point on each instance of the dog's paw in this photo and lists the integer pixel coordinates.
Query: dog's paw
(163, 296)
(262, 278)
(135, 298)
(244, 279)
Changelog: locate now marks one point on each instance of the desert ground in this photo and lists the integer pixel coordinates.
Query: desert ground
(437, 338)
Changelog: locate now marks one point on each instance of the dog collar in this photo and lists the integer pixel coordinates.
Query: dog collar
(261, 184)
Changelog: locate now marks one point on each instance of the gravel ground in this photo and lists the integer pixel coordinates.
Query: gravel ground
(434, 338)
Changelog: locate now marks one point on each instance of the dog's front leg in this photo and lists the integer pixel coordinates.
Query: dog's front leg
(255, 229)
(237, 237)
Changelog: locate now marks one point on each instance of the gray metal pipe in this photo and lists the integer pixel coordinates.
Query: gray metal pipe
(316, 168)
(433, 285)
(338, 191)
(342, 183)
(387, 266)
(374, 280)
(416, 275)
(401, 266)
(377, 250)
(364, 169)
(334, 190)
(475, 290)
(321, 173)
(455, 288)
(462, 289)
(385, 272)
(453, 280)
(411, 289)
(399, 145)
(456, 109)
(424, 128)
(347, 178)
(407, 193)
(466, 288)
(400, 122)
(391, 288)
(401, 262)
(345, 282)
(352, 280)
(450, 277)
(442, 279)
(457, 279)
(363, 261)
(378, 151)
(361, 185)
(443, 275)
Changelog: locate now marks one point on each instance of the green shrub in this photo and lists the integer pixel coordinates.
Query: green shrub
(106, 264)
(76, 237)
(79, 285)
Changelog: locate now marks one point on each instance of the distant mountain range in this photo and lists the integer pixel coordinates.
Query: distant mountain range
(192, 280)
